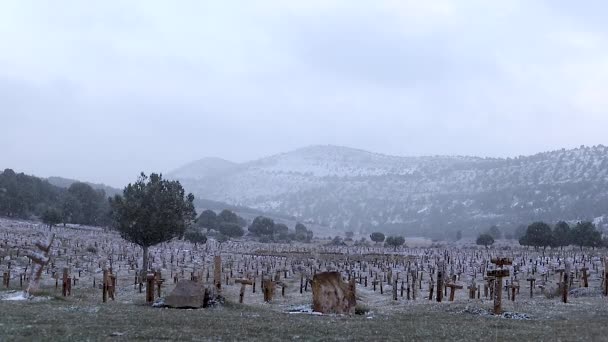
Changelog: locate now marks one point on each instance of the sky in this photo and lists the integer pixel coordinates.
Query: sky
(102, 90)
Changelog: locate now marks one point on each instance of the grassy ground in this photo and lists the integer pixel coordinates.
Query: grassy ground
(79, 319)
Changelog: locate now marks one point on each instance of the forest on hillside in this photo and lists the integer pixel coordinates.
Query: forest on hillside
(25, 197)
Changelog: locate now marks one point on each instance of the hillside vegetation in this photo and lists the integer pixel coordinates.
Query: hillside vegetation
(351, 189)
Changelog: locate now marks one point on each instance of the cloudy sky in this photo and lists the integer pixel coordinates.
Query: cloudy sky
(101, 90)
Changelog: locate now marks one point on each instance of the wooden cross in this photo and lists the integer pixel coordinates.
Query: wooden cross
(498, 275)
(472, 288)
(40, 259)
(453, 287)
(244, 283)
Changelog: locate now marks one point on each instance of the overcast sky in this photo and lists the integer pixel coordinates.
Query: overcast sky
(101, 90)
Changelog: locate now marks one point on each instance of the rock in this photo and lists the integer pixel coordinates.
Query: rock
(187, 294)
(552, 291)
(331, 295)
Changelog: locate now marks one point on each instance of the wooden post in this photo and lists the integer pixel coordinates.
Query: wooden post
(606, 276)
(64, 285)
(531, 280)
(439, 282)
(566, 283)
(104, 294)
(498, 296)
(486, 285)
(585, 281)
(472, 288)
(414, 279)
(150, 288)
(395, 289)
(112, 286)
(498, 275)
(159, 284)
(514, 286)
(244, 283)
(217, 273)
(269, 287)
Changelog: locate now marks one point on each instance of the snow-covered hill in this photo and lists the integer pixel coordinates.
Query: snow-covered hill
(357, 190)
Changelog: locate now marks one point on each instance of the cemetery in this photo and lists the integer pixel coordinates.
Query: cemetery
(86, 282)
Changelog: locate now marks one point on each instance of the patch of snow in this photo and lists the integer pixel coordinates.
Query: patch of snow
(15, 296)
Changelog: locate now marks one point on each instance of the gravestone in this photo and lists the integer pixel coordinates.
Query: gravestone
(186, 294)
(330, 294)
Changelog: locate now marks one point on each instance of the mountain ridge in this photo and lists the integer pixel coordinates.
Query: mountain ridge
(354, 189)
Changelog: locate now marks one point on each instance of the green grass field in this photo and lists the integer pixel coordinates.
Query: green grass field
(80, 318)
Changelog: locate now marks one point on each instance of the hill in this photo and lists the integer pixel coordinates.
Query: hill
(66, 182)
(351, 189)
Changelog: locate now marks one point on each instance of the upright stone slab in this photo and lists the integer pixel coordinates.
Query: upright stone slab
(332, 295)
(269, 287)
(186, 294)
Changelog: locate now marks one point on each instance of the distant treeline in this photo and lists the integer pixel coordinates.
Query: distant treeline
(228, 224)
(26, 197)
(542, 235)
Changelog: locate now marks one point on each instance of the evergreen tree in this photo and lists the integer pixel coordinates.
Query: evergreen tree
(302, 233)
(538, 234)
(152, 211)
(51, 217)
(562, 235)
(586, 235)
(231, 229)
(208, 220)
(394, 241)
(280, 228)
(485, 240)
(195, 236)
(377, 237)
(228, 216)
(262, 226)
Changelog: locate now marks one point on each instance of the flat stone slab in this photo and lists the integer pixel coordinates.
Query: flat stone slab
(187, 294)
